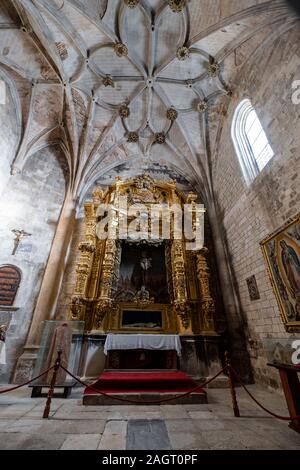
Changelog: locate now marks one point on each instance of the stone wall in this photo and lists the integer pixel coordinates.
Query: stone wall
(249, 213)
(8, 133)
(30, 201)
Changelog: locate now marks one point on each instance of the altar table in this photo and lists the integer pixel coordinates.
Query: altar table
(142, 341)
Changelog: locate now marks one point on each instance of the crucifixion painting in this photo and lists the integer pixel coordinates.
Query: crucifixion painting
(19, 235)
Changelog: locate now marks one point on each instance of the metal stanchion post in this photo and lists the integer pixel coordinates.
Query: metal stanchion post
(231, 385)
(52, 385)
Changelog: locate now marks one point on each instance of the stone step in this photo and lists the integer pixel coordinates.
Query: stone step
(144, 386)
(144, 399)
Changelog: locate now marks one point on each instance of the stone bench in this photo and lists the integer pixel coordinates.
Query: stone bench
(37, 390)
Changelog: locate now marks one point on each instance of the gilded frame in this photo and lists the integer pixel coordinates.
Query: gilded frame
(287, 296)
(169, 326)
(154, 308)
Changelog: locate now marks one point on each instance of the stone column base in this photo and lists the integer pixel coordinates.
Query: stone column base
(92, 362)
(201, 358)
(25, 365)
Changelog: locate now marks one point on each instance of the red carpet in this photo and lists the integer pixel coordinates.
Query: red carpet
(130, 382)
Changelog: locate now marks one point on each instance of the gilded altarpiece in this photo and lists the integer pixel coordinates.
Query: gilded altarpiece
(112, 296)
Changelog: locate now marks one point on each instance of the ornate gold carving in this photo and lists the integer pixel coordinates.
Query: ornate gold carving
(120, 49)
(144, 182)
(87, 250)
(97, 196)
(172, 114)
(83, 268)
(82, 273)
(176, 5)
(142, 299)
(87, 247)
(99, 267)
(103, 308)
(111, 260)
(183, 310)
(108, 269)
(181, 307)
(207, 302)
(77, 308)
(208, 310)
(143, 190)
(183, 53)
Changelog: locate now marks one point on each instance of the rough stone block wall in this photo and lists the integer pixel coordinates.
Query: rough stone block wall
(249, 213)
(30, 201)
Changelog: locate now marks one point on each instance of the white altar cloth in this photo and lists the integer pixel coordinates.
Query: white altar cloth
(142, 341)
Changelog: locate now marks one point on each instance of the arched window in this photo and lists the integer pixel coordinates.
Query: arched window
(250, 141)
(10, 278)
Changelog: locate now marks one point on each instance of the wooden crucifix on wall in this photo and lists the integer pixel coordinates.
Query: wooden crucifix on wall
(19, 235)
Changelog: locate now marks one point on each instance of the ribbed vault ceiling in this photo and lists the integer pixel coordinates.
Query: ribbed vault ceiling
(114, 81)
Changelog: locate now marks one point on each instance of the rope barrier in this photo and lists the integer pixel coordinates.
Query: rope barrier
(228, 367)
(26, 383)
(284, 418)
(136, 402)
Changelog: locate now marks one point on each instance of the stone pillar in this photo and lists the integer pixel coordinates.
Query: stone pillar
(92, 357)
(212, 352)
(210, 338)
(49, 291)
(193, 359)
(201, 359)
(207, 302)
(236, 321)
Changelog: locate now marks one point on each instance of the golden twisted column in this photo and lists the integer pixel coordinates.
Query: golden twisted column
(87, 249)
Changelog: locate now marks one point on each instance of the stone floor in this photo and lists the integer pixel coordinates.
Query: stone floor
(179, 427)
